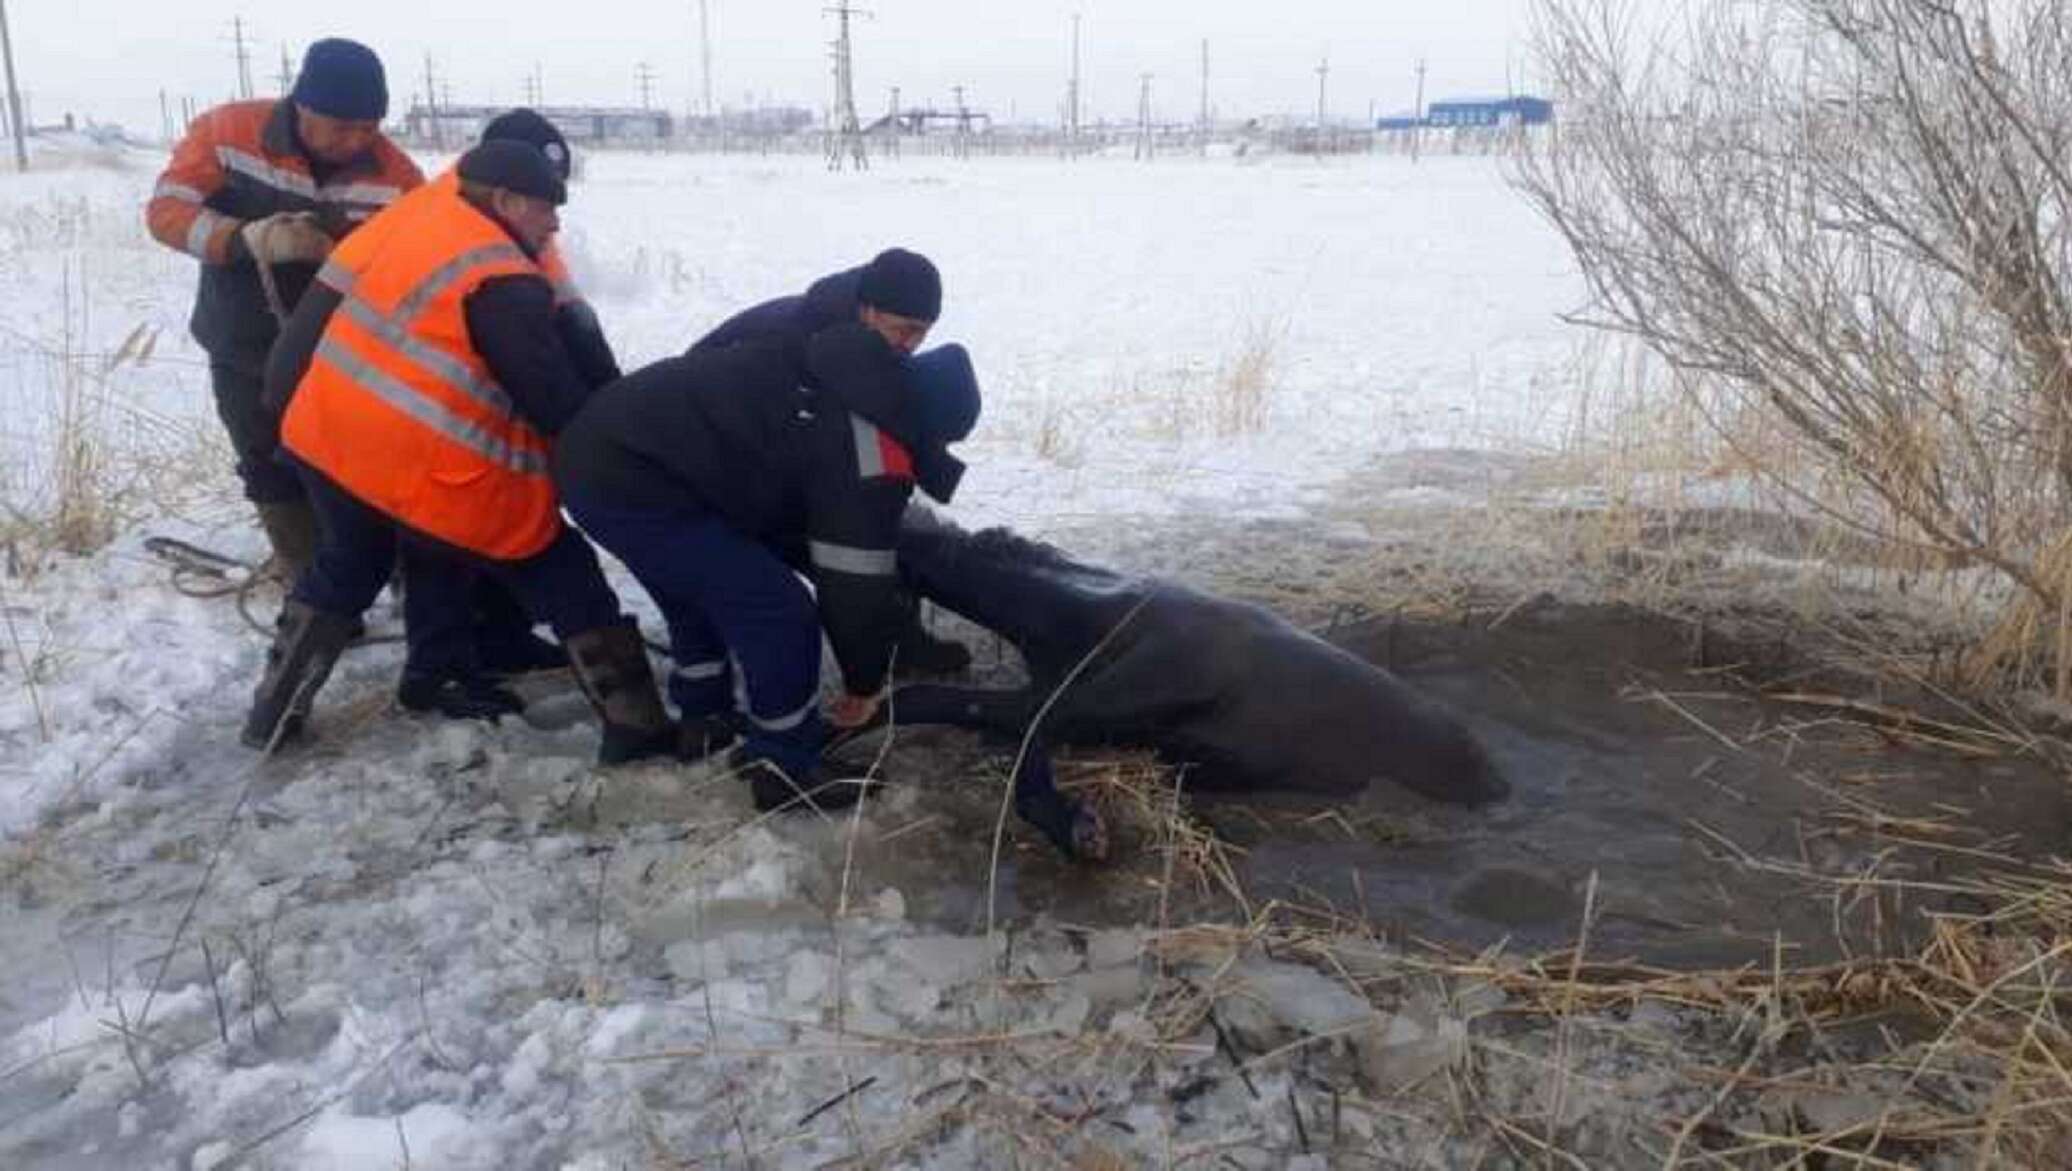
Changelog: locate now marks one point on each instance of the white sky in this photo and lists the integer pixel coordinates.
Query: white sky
(109, 59)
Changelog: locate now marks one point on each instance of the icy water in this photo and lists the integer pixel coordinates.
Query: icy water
(1704, 852)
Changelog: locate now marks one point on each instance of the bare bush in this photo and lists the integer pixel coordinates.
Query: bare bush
(1850, 216)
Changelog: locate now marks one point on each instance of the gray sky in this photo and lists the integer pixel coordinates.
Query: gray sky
(110, 58)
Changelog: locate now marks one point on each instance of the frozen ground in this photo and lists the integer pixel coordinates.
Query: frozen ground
(456, 947)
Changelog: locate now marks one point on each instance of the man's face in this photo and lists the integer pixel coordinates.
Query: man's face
(334, 140)
(904, 334)
(534, 220)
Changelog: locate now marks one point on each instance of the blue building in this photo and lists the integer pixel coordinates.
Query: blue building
(1517, 111)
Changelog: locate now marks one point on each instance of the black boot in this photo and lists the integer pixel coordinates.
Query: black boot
(774, 788)
(520, 654)
(698, 737)
(457, 697)
(611, 666)
(306, 645)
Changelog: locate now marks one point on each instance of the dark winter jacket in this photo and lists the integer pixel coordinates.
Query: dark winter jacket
(741, 432)
(241, 162)
(831, 300)
(790, 322)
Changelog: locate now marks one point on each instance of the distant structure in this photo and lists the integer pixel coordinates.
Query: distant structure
(845, 136)
(427, 123)
(1472, 112)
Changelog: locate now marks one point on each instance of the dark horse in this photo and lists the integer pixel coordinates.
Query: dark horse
(1232, 692)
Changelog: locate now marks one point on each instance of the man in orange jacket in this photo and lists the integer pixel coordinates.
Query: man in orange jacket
(423, 418)
(259, 192)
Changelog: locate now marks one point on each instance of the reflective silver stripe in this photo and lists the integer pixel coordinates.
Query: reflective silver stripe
(167, 189)
(850, 559)
(785, 723)
(711, 669)
(436, 281)
(412, 402)
(870, 458)
(378, 194)
(337, 276)
(430, 358)
(204, 227)
(254, 167)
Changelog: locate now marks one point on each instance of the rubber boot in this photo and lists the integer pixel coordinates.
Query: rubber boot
(291, 529)
(457, 697)
(611, 666)
(698, 737)
(306, 645)
(774, 787)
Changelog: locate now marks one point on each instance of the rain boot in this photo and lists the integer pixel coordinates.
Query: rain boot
(291, 530)
(306, 645)
(611, 666)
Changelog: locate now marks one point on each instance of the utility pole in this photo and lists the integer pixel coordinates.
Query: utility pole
(1143, 150)
(286, 76)
(165, 117)
(961, 144)
(244, 58)
(1323, 75)
(705, 54)
(431, 105)
(892, 121)
(645, 74)
(1202, 119)
(845, 138)
(14, 95)
(1072, 96)
(1417, 114)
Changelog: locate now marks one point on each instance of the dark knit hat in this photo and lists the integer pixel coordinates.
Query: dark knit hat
(342, 79)
(513, 166)
(902, 282)
(523, 125)
(947, 387)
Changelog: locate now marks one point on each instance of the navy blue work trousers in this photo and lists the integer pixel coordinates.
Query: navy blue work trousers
(357, 548)
(739, 619)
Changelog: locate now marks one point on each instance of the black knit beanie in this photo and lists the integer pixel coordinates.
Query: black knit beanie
(342, 79)
(902, 282)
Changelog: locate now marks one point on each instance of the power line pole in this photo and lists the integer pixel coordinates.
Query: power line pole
(1417, 114)
(645, 73)
(705, 54)
(845, 141)
(1202, 120)
(1143, 150)
(165, 117)
(244, 58)
(961, 145)
(14, 96)
(431, 105)
(1323, 75)
(892, 122)
(1072, 95)
(287, 74)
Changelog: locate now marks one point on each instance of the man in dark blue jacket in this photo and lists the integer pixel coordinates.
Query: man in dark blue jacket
(701, 472)
(898, 296)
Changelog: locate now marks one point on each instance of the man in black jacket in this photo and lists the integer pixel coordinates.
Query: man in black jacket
(898, 296)
(696, 471)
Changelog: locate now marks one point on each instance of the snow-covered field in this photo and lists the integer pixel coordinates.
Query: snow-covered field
(428, 946)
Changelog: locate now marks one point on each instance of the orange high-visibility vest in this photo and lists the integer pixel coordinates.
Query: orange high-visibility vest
(398, 409)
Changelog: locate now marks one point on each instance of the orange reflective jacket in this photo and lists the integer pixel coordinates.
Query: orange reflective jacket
(397, 407)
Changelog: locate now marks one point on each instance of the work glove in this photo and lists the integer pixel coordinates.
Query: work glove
(286, 237)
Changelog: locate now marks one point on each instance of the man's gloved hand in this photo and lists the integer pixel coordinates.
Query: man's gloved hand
(286, 237)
